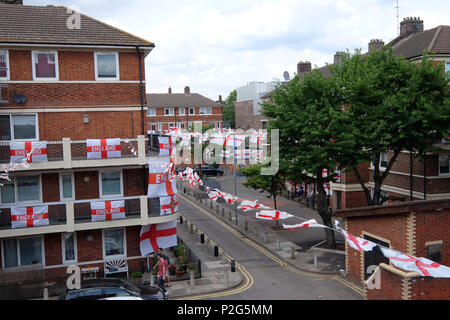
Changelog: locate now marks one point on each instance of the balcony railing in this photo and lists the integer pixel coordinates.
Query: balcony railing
(76, 215)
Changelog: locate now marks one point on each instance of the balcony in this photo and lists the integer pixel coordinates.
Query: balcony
(74, 216)
(68, 154)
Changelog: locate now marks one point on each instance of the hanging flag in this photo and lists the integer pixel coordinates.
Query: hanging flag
(307, 224)
(166, 146)
(30, 151)
(154, 236)
(26, 217)
(159, 182)
(242, 154)
(234, 141)
(337, 175)
(357, 243)
(422, 266)
(107, 210)
(216, 194)
(247, 205)
(258, 137)
(273, 215)
(168, 205)
(103, 148)
(324, 173)
(230, 199)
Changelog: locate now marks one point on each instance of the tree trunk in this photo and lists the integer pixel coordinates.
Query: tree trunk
(325, 214)
(275, 207)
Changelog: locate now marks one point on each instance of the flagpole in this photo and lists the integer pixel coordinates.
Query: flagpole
(234, 169)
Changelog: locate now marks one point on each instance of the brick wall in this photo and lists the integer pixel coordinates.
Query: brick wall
(135, 182)
(50, 187)
(89, 189)
(244, 117)
(390, 287)
(426, 288)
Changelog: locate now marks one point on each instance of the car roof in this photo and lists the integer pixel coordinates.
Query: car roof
(94, 283)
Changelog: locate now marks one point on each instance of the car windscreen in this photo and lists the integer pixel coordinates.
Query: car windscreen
(130, 286)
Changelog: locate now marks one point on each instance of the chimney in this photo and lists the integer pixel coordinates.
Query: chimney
(170, 90)
(11, 1)
(220, 98)
(338, 57)
(187, 90)
(411, 25)
(303, 67)
(376, 44)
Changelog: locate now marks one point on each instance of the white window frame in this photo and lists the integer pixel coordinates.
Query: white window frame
(381, 159)
(19, 262)
(63, 248)
(7, 64)
(160, 126)
(447, 66)
(439, 166)
(124, 255)
(203, 111)
(33, 62)
(104, 53)
(151, 112)
(112, 196)
(171, 112)
(11, 126)
(61, 194)
(193, 111)
(16, 199)
(182, 113)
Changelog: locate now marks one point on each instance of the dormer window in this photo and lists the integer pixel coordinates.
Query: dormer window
(45, 65)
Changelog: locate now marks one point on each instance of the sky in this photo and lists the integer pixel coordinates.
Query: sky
(216, 46)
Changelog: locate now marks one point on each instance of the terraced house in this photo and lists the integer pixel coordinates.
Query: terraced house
(67, 78)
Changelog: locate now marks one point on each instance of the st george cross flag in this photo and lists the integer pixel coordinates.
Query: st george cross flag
(247, 205)
(166, 146)
(234, 141)
(230, 199)
(107, 210)
(422, 266)
(103, 148)
(273, 215)
(307, 224)
(25, 217)
(161, 235)
(258, 137)
(168, 204)
(159, 184)
(35, 150)
(215, 194)
(358, 243)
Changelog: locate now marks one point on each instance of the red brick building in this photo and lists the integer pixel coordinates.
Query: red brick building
(64, 85)
(181, 110)
(418, 228)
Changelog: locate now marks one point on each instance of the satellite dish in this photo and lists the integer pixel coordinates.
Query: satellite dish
(286, 76)
(19, 98)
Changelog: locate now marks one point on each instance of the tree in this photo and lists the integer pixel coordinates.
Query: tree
(302, 111)
(228, 110)
(272, 184)
(390, 105)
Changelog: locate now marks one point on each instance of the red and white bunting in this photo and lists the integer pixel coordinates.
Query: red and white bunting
(234, 141)
(30, 151)
(307, 224)
(215, 194)
(107, 210)
(26, 217)
(154, 236)
(168, 205)
(258, 137)
(160, 183)
(324, 173)
(230, 199)
(337, 174)
(273, 215)
(166, 146)
(103, 148)
(247, 205)
(422, 266)
(242, 154)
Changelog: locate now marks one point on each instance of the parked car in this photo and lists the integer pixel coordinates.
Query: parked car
(209, 171)
(95, 289)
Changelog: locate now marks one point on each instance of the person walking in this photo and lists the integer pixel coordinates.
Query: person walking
(167, 276)
(162, 263)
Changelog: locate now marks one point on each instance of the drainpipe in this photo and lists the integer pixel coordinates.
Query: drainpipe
(141, 89)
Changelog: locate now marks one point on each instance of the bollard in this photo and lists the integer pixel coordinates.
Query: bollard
(246, 225)
(315, 261)
(256, 230)
(192, 279)
(292, 253)
(45, 293)
(217, 209)
(202, 238)
(229, 216)
(233, 265)
(266, 237)
(223, 212)
(181, 220)
(278, 245)
(216, 251)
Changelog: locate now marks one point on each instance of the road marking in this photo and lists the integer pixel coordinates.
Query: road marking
(269, 254)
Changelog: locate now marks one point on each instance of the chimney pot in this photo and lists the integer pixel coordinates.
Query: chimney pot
(411, 25)
(303, 67)
(220, 98)
(187, 90)
(338, 57)
(170, 90)
(376, 44)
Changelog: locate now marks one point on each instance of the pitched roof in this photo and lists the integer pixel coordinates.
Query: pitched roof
(179, 100)
(436, 40)
(48, 25)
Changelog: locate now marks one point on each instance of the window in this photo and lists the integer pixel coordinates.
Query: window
(375, 256)
(22, 252)
(5, 127)
(182, 111)
(4, 65)
(106, 66)
(444, 165)
(111, 183)
(45, 65)
(383, 159)
(434, 251)
(447, 66)
(18, 127)
(21, 188)
(205, 110)
(191, 111)
(113, 242)
(7, 194)
(171, 125)
(151, 112)
(66, 183)
(169, 111)
(69, 247)
(159, 126)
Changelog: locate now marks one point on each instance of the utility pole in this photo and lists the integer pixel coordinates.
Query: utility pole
(398, 26)
(234, 169)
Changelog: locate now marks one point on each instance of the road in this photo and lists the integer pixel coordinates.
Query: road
(267, 277)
